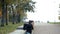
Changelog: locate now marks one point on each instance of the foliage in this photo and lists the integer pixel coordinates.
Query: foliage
(26, 5)
(54, 22)
(22, 6)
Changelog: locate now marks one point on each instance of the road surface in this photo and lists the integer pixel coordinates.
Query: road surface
(45, 28)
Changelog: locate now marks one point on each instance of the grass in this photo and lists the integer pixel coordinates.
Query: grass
(54, 22)
(9, 28)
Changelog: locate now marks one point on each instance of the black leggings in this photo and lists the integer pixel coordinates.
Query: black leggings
(27, 33)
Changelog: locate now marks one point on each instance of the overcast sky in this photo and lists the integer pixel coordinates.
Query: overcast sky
(45, 10)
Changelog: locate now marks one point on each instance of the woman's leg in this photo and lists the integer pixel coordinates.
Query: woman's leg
(28, 33)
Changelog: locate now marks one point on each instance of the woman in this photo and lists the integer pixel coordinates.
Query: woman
(29, 27)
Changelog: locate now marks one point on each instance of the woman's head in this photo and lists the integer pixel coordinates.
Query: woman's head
(31, 21)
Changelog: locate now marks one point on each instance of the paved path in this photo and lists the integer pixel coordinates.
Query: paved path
(47, 29)
(19, 30)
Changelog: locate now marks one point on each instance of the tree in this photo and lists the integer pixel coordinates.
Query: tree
(26, 5)
(3, 9)
(3, 4)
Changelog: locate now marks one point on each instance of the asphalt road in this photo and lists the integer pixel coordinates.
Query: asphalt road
(47, 29)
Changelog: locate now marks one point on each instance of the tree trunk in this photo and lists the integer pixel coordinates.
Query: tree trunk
(18, 18)
(3, 9)
(13, 16)
(6, 15)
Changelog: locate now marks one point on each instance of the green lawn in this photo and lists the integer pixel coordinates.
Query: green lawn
(54, 22)
(9, 28)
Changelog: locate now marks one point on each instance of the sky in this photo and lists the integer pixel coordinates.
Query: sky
(45, 10)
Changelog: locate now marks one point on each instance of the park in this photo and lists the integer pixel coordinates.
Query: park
(44, 13)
